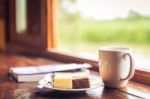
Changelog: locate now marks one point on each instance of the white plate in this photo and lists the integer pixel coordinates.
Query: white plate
(45, 84)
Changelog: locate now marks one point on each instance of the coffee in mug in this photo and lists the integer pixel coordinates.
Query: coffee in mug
(116, 66)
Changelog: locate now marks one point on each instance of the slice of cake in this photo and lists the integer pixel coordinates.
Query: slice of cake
(68, 80)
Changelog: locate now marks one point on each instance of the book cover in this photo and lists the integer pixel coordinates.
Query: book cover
(35, 73)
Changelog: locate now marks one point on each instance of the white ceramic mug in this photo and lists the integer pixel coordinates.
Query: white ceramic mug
(116, 66)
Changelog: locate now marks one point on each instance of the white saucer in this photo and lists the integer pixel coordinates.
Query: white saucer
(46, 84)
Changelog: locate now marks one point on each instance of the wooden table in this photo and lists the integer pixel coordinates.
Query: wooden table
(13, 90)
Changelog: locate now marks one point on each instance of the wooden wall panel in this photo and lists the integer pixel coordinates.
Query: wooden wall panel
(2, 43)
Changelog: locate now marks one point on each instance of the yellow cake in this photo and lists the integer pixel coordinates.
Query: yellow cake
(62, 80)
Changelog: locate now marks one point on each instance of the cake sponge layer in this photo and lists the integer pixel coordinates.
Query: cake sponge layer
(62, 81)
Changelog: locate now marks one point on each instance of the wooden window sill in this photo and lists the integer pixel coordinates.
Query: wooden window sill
(137, 89)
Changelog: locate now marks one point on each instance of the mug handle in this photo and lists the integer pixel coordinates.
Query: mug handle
(131, 71)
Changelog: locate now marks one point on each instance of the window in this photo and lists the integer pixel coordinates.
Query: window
(37, 34)
(86, 25)
(21, 16)
(30, 23)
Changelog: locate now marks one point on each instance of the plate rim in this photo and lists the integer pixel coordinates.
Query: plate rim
(73, 90)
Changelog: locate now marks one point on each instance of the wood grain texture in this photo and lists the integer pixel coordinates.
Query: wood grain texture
(51, 24)
(2, 22)
(2, 37)
(12, 90)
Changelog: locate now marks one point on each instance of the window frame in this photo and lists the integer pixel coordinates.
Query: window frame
(44, 34)
(49, 40)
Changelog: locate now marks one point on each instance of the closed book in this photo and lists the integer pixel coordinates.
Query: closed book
(36, 73)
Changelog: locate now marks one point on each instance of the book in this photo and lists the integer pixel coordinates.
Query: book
(36, 73)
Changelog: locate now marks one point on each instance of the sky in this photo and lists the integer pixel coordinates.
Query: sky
(109, 9)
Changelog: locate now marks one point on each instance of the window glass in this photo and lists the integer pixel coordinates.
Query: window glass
(21, 16)
(86, 25)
